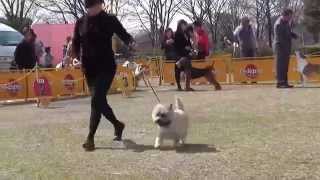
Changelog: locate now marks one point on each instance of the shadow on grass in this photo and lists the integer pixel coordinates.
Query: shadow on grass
(139, 148)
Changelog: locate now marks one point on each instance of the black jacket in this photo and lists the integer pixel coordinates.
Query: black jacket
(92, 42)
(180, 43)
(25, 55)
(169, 50)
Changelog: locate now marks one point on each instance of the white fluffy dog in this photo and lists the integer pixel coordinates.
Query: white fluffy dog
(172, 123)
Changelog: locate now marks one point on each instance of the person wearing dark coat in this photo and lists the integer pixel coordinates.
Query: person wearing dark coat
(168, 45)
(25, 54)
(92, 44)
(183, 49)
(282, 45)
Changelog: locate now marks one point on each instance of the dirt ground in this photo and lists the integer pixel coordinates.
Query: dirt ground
(242, 132)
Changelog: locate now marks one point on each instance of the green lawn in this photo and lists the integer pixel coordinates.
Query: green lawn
(243, 132)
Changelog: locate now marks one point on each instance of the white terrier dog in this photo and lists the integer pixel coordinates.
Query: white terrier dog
(172, 123)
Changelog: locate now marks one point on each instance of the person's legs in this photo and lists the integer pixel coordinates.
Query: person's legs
(242, 53)
(279, 66)
(187, 70)
(94, 117)
(99, 86)
(177, 74)
(103, 85)
(250, 53)
(282, 64)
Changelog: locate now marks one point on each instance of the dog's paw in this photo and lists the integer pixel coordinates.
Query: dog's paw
(157, 143)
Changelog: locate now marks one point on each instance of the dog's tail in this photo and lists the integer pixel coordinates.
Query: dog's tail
(179, 104)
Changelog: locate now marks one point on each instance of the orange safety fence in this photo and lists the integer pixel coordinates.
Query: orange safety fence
(71, 82)
(13, 85)
(263, 69)
(55, 83)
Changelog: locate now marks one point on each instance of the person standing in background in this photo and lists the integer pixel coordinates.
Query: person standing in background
(183, 49)
(202, 40)
(245, 36)
(168, 45)
(25, 55)
(282, 45)
(48, 58)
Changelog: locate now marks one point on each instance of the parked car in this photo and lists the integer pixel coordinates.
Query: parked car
(9, 39)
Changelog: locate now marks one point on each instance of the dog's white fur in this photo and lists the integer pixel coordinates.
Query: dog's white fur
(302, 62)
(177, 129)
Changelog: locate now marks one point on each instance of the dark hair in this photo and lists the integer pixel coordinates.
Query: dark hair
(179, 27)
(31, 31)
(47, 49)
(287, 12)
(69, 38)
(166, 31)
(189, 28)
(198, 23)
(91, 3)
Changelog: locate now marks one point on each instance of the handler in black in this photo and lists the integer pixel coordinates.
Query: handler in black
(283, 36)
(92, 43)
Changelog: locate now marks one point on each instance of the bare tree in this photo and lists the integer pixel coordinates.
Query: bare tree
(312, 18)
(18, 13)
(193, 9)
(74, 9)
(265, 12)
(155, 16)
(214, 10)
(209, 11)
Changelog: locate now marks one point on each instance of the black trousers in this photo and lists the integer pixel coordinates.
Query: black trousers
(282, 65)
(99, 86)
(247, 53)
(177, 74)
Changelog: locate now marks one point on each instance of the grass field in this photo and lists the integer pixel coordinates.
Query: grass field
(242, 132)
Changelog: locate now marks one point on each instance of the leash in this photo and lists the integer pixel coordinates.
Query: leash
(153, 90)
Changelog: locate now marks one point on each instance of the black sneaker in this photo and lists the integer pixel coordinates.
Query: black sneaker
(89, 146)
(118, 131)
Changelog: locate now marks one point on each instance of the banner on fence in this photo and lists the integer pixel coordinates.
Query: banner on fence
(264, 69)
(13, 85)
(254, 70)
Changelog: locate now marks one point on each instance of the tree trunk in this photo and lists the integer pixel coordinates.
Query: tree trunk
(268, 14)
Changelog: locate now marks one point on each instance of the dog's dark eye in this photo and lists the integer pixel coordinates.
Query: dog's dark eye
(163, 115)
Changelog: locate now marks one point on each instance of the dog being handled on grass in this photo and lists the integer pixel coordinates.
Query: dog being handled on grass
(305, 68)
(172, 123)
